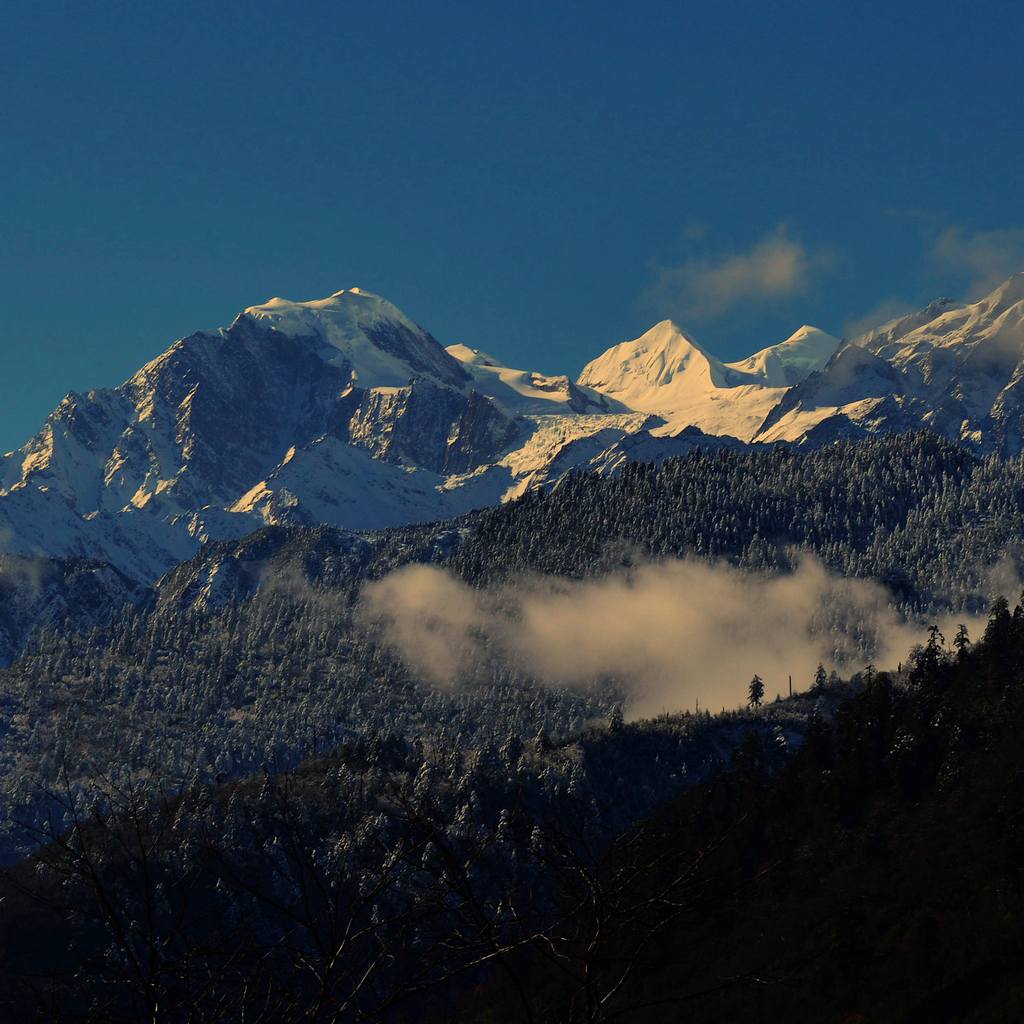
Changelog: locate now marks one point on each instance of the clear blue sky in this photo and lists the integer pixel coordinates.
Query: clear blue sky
(536, 179)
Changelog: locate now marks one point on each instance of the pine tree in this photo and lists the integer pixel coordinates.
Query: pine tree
(820, 677)
(961, 642)
(755, 692)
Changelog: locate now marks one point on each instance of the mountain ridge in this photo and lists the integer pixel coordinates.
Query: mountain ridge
(955, 368)
(344, 411)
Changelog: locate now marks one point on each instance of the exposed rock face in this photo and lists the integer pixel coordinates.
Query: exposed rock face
(480, 435)
(427, 425)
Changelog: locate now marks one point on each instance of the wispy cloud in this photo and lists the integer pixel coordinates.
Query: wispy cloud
(880, 313)
(703, 288)
(983, 258)
(670, 632)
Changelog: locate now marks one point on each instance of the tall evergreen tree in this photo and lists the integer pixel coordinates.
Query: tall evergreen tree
(755, 692)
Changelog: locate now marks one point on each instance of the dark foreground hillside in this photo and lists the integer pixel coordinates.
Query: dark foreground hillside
(867, 868)
(876, 877)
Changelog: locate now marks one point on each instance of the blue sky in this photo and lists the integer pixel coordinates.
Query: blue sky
(539, 180)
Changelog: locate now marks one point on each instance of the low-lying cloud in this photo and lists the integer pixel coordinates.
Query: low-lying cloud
(670, 632)
(776, 267)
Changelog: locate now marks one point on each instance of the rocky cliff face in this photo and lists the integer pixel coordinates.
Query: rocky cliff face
(431, 426)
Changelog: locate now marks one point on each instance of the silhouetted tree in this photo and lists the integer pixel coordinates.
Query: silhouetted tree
(755, 692)
(820, 677)
(961, 642)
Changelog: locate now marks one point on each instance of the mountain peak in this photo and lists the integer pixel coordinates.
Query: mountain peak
(804, 331)
(372, 337)
(666, 333)
(807, 349)
(661, 356)
(669, 338)
(355, 303)
(662, 371)
(472, 356)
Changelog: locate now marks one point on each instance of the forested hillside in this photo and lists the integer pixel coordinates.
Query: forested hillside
(920, 514)
(854, 856)
(249, 655)
(923, 516)
(875, 877)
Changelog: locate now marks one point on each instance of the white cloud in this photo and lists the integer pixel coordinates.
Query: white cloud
(431, 618)
(703, 288)
(671, 632)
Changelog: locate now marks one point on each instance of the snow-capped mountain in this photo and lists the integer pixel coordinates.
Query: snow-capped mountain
(339, 411)
(368, 337)
(955, 369)
(789, 362)
(203, 440)
(665, 372)
(345, 412)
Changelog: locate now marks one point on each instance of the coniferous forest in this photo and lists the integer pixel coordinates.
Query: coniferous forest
(227, 798)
